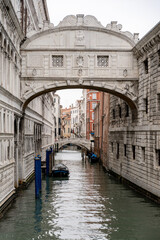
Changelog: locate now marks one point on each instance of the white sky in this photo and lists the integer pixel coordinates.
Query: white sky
(136, 16)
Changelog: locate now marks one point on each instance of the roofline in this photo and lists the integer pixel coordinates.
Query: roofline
(148, 41)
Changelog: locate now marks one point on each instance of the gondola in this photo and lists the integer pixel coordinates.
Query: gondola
(60, 170)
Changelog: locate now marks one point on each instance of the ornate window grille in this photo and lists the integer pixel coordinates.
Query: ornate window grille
(102, 61)
(57, 61)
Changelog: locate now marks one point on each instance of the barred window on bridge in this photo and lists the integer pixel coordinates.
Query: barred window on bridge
(57, 60)
(102, 61)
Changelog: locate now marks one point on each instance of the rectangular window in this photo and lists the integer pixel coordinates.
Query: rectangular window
(158, 102)
(159, 58)
(146, 104)
(143, 154)
(120, 111)
(94, 96)
(117, 150)
(146, 66)
(125, 150)
(158, 157)
(92, 115)
(94, 105)
(57, 61)
(102, 61)
(134, 152)
(113, 113)
(68, 130)
(127, 110)
(112, 146)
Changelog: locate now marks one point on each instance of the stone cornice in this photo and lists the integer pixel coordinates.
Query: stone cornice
(10, 95)
(148, 41)
(75, 50)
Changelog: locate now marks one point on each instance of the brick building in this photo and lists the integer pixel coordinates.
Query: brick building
(101, 127)
(93, 98)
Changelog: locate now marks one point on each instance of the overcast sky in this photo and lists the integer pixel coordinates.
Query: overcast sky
(136, 16)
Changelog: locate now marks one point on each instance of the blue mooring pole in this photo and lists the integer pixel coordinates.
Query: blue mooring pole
(48, 152)
(40, 178)
(37, 176)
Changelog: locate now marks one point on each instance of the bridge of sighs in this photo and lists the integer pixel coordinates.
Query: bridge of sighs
(80, 53)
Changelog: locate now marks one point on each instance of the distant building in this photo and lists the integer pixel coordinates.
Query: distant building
(82, 112)
(57, 115)
(92, 99)
(101, 127)
(66, 122)
(75, 120)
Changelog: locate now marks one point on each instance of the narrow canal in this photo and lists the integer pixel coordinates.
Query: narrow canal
(89, 205)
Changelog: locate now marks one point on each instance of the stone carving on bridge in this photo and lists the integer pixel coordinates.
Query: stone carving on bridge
(69, 20)
(79, 41)
(91, 21)
(80, 63)
(125, 72)
(114, 26)
(26, 88)
(80, 81)
(80, 20)
(117, 28)
(34, 72)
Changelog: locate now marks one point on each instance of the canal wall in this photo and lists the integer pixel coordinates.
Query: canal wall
(134, 143)
(22, 136)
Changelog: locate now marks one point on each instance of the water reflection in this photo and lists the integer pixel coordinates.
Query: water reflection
(88, 205)
(38, 214)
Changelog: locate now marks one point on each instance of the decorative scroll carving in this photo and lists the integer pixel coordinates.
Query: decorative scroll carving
(80, 20)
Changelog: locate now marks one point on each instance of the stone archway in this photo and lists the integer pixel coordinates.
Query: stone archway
(80, 53)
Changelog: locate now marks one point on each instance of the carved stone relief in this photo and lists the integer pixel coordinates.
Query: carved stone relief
(79, 41)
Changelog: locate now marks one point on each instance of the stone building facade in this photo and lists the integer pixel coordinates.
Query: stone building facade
(66, 122)
(134, 144)
(21, 135)
(57, 115)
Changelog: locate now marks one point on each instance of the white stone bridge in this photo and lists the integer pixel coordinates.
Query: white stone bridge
(80, 53)
(81, 142)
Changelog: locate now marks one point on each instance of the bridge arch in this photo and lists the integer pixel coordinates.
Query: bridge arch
(81, 142)
(80, 53)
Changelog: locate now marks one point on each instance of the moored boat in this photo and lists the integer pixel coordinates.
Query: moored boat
(60, 170)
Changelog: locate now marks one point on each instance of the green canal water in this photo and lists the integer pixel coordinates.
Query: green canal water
(89, 205)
